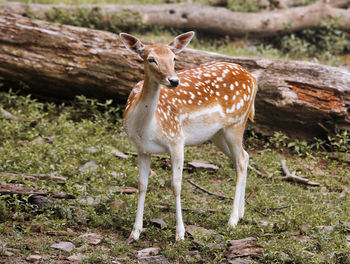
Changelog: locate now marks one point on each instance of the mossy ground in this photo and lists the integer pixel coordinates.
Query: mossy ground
(81, 132)
(286, 218)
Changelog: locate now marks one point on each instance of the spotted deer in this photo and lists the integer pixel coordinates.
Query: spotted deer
(168, 110)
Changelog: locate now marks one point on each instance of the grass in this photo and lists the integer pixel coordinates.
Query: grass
(286, 218)
(81, 131)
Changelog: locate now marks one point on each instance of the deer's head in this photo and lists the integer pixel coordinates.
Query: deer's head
(159, 60)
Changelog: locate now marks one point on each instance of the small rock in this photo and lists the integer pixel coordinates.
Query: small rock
(118, 203)
(92, 150)
(240, 261)
(159, 222)
(302, 239)
(92, 238)
(90, 165)
(305, 228)
(40, 200)
(119, 260)
(90, 201)
(37, 141)
(326, 228)
(198, 230)
(65, 246)
(243, 250)
(49, 139)
(263, 3)
(118, 153)
(160, 259)
(196, 255)
(8, 253)
(148, 252)
(198, 165)
(346, 225)
(265, 223)
(75, 258)
(34, 258)
(285, 258)
(311, 255)
(343, 194)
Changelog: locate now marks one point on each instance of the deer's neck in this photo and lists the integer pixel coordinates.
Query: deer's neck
(143, 116)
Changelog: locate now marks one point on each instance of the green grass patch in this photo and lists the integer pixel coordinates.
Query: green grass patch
(288, 219)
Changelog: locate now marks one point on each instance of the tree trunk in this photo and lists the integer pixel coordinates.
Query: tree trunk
(213, 19)
(58, 61)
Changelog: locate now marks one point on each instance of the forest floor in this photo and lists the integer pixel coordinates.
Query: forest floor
(291, 222)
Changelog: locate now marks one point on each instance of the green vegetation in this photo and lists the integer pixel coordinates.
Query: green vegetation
(294, 223)
(279, 213)
(325, 43)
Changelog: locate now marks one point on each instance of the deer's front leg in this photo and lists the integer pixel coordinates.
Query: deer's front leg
(177, 160)
(144, 168)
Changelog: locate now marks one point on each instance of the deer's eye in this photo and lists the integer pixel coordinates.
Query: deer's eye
(174, 59)
(152, 60)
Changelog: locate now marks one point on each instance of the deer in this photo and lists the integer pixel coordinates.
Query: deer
(169, 110)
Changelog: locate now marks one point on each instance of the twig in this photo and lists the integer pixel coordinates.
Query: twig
(7, 188)
(33, 176)
(208, 192)
(291, 177)
(258, 172)
(168, 207)
(222, 197)
(10, 116)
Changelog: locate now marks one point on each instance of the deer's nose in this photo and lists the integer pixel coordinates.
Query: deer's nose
(174, 81)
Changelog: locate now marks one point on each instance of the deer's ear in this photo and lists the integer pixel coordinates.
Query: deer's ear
(133, 44)
(180, 42)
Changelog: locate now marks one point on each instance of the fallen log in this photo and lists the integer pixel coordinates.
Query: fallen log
(215, 20)
(59, 62)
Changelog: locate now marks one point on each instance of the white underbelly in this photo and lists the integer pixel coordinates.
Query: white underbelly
(201, 126)
(197, 133)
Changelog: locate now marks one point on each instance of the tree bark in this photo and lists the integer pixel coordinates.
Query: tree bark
(58, 61)
(215, 20)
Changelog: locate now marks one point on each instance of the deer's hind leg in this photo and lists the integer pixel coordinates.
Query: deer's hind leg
(230, 141)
